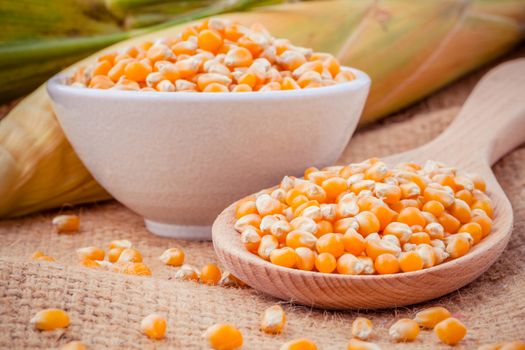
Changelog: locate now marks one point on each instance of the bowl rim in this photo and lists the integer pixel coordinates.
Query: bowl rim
(55, 85)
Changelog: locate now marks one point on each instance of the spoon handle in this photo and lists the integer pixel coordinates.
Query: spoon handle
(492, 120)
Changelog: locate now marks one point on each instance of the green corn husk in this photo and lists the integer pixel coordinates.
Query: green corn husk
(409, 49)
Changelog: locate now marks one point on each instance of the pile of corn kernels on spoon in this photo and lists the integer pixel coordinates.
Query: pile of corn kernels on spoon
(367, 218)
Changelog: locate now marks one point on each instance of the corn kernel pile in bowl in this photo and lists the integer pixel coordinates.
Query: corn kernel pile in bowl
(367, 218)
(213, 56)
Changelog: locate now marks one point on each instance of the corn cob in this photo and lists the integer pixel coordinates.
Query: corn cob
(409, 49)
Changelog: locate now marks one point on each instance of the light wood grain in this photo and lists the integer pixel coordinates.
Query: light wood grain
(491, 123)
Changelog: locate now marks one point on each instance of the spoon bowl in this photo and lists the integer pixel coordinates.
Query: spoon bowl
(491, 123)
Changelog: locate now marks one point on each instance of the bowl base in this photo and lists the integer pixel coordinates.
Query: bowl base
(185, 232)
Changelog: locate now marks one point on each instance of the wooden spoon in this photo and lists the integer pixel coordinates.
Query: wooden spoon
(491, 123)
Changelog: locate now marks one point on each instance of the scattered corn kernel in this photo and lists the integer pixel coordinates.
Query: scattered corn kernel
(74, 345)
(404, 330)
(299, 344)
(356, 344)
(154, 326)
(224, 337)
(362, 328)
(450, 331)
(89, 263)
(66, 223)
(273, 320)
(120, 243)
(210, 274)
(188, 273)
(428, 318)
(364, 218)
(90, 253)
(130, 255)
(173, 257)
(49, 319)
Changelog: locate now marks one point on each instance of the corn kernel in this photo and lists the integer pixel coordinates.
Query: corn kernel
(154, 326)
(66, 223)
(91, 253)
(74, 345)
(450, 331)
(172, 257)
(362, 328)
(325, 262)
(210, 274)
(404, 330)
(188, 273)
(299, 344)
(356, 344)
(130, 255)
(273, 320)
(428, 318)
(224, 337)
(386, 264)
(49, 319)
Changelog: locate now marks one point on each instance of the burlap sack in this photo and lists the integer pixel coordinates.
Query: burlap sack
(106, 308)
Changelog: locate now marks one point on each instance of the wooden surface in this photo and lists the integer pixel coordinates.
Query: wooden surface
(491, 123)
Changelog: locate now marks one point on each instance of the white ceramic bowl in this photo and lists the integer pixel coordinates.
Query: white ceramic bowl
(178, 159)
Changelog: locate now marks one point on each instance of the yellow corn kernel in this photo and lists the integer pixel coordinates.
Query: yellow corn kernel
(493, 346)
(49, 319)
(356, 344)
(172, 257)
(305, 259)
(450, 331)
(325, 262)
(273, 320)
(299, 344)
(296, 239)
(37, 255)
(515, 345)
(411, 216)
(114, 254)
(285, 257)
(45, 258)
(386, 264)
(91, 253)
(474, 229)
(376, 247)
(245, 207)
(457, 246)
(209, 40)
(484, 221)
(154, 326)
(426, 252)
(362, 328)
(74, 345)
(130, 255)
(449, 223)
(137, 71)
(434, 207)
(267, 245)
(89, 263)
(348, 264)
(410, 261)
(401, 230)
(404, 330)
(253, 220)
(368, 265)
(120, 243)
(368, 223)
(224, 337)
(435, 194)
(187, 273)
(131, 268)
(419, 238)
(210, 274)
(251, 238)
(229, 280)
(238, 57)
(66, 223)
(331, 243)
(353, 242)
(428, 318)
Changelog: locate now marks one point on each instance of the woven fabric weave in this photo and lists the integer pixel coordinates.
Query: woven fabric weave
(106, 308)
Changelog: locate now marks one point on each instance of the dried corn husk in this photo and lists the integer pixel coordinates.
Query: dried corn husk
(408, 48)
